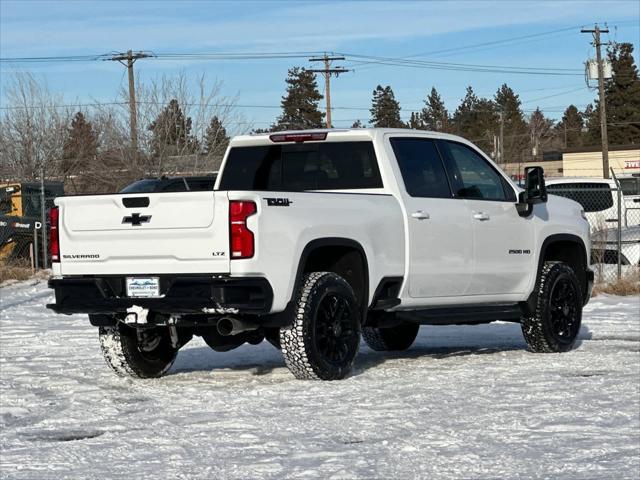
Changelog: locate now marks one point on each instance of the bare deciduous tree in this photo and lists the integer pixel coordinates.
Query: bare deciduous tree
(200, 104)
(33, 128)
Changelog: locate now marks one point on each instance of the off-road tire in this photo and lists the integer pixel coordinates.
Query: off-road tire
(308, 344)
(539, 328)
(391, 339)
(122, 351)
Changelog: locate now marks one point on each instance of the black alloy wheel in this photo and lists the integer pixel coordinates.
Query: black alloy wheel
(335, 335)
(564, 310)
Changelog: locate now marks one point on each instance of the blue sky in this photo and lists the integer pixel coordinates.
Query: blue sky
(391, 29)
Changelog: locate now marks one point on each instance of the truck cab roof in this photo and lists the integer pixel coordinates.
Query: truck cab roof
(337, 134)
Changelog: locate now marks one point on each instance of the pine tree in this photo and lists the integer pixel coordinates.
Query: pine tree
(434, 115)
(623, 96)
(540, 132)
(357, 124)
(385, 109)
(515, 127)
(172, 132)
(463, 116)
(216, 142)
(300, 104)
(415, 121)
(476, 119)
(592, 137)
(81, 144)
(569, 130)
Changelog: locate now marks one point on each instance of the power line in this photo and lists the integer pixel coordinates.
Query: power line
(234, 56)
(478, 46)
(60, 58)
(389, 61)
(235, 105)
(518, 40)
(610, 124)
(164, 56)
(400, 62)
(582, 87)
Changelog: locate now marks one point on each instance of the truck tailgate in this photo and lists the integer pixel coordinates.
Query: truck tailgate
(177, 232)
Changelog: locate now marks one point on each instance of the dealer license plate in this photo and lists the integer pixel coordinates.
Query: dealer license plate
(143, 287)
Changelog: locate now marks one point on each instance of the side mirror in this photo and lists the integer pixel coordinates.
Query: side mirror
(535, 190)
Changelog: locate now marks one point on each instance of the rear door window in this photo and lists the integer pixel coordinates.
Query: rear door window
(593, 196)
(301, 167)
(421, 167)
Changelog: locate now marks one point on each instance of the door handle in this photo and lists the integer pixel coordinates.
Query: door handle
(482, 216)
(420, 215)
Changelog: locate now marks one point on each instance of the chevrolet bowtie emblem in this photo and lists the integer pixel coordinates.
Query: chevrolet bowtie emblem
(136, 219)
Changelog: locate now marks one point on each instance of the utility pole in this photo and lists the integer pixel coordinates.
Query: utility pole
(130, 58)
(602, 103)
(327, 71)
(501, 138)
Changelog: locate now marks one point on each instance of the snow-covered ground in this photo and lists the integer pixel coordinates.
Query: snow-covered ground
(463, 402)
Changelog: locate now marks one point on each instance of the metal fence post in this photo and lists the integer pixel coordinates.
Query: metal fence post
(619, 233)
(35, 247)
(43, 212)
(32, 259)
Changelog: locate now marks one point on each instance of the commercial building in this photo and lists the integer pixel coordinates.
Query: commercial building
(624, 160)
(587, 162)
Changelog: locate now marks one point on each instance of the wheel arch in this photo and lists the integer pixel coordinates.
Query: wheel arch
(569, 249)
(343, 256)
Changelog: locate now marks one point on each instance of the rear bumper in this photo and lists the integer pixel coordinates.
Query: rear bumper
(180, 295)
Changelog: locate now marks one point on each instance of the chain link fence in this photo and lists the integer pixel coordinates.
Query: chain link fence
(24, 227)
(613, 212)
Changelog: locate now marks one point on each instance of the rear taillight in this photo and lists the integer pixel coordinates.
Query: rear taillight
(54, 237)
(242, 241)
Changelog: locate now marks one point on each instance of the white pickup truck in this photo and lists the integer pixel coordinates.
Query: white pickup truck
(313, 239)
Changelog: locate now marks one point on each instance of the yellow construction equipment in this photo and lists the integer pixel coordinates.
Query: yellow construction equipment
(21, 214)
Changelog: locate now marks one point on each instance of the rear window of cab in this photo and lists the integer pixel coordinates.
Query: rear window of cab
(301, 167)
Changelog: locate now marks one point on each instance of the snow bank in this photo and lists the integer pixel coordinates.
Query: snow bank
(463, 402)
